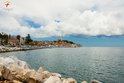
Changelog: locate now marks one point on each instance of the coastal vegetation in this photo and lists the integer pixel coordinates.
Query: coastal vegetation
(4, 38)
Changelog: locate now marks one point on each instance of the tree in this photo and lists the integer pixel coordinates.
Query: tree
(3, 38)
(28, 39)
(9, 36)
(18, 37)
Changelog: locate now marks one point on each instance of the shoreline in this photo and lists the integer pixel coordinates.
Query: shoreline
(17, 71)
(38, 45)
(16, 74)
(6, 49)
(18, 49)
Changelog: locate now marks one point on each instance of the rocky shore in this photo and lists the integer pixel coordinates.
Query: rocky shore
(4, 49)
(17, 71)
(11, 49)
(39, 45)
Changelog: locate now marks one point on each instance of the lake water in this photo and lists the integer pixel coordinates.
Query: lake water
(105, 64)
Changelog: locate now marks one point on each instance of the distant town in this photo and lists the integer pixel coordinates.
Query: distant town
(10, 43)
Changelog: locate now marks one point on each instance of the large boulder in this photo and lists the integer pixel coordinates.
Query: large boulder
(16, 81)
(19, 73)
(40, 70)
(39, 76)
(84, 82)
(53, 79)
(46, 74)
(56, 74)
(1, 69)
(69, 80)
(13, 61)
(95, 81)
(29, 76)
(6, 74)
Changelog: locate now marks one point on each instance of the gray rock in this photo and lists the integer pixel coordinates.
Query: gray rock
(84, 82)
(15, 81)
(57, 74)
(53, 79)
(1, 69)
(40, 70)
(69, 80)
(95, 81)
(46, 74)
(6, 73)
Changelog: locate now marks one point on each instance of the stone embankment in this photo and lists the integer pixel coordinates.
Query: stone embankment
(15, 74)
(11, 49)
(25, 48)
(17, 71)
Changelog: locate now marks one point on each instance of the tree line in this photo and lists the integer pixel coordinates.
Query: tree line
(4, 37)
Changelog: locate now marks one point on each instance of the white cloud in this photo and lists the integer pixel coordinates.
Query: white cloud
(86, 17)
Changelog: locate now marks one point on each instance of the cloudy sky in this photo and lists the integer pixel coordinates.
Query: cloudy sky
(98, 21)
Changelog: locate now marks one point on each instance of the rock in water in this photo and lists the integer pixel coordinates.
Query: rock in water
(84, 82)
(40, 70)
(53, 79)
(57, 74)
(95, 81)
(46, 74)
(69, 80)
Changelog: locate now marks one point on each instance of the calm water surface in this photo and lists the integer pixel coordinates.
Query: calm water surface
(102, 63)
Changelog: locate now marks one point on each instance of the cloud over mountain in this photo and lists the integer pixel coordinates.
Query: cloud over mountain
(63, 17)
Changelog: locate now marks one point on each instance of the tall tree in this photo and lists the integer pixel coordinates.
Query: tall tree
(9, 36)
(28, 39)
(18, 37)
(5, 39)
(0, 38)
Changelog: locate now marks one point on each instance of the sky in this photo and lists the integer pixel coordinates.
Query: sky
(88, 22)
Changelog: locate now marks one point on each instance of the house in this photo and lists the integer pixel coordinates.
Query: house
(13, 41)
(22, 41)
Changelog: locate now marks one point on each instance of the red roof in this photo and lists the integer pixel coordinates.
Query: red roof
(13, 40)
